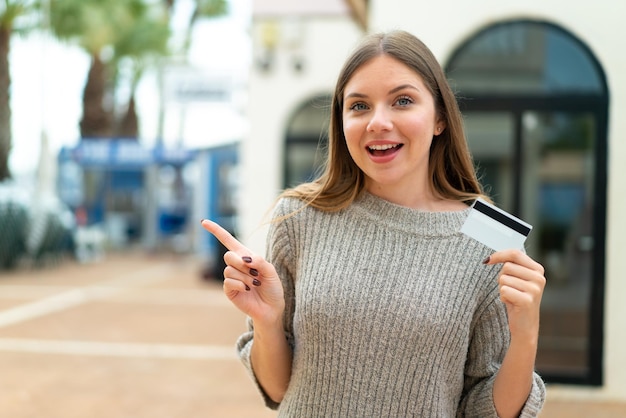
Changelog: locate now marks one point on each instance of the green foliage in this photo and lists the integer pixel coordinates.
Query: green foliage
(135, 29)
(10, 10)
(55, 241)
(13, 231)
(147, 36)
(32, 234)
(95, 24)
(126, 36)
(146, 40)
(211, 8)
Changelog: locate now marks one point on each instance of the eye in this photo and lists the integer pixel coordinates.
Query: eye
(357, 106)
(404, 101)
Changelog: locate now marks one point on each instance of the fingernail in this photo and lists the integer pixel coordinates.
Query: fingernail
(256, 282)
(486, 260)
(246, 259)
(247, 287)
(254, 272)
(202, 220)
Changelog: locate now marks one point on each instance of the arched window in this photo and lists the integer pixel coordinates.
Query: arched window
(535, 102)
(307, 136)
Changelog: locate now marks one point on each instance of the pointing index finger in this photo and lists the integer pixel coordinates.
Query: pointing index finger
(223, 236)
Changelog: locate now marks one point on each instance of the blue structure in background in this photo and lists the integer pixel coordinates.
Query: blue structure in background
(107, 182)
(119, 154)
(104, 178)
(220, 198)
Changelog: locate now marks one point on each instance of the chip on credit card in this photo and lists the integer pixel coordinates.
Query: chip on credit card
(494, 227)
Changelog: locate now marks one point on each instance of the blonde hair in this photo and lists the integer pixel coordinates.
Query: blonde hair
(450, 163)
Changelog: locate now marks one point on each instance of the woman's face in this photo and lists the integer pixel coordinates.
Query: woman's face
(389, 121)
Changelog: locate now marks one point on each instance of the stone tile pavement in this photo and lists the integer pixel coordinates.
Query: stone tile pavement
(137, 336)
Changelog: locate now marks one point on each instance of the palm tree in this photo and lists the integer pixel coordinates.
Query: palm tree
(10, 12)
(97, 26)
(125, 30)
(139, 49)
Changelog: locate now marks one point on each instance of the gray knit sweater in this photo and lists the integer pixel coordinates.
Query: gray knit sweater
(390, 313)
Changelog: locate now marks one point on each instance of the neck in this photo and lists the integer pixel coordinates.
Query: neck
(424, 199)
(421, 198)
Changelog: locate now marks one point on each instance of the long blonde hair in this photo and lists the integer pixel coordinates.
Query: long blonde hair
(450, 163)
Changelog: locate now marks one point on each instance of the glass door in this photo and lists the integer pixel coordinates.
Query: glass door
(540, 166)
(557, 179)
(535, 100)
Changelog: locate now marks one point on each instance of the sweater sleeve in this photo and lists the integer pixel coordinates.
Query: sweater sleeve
(490, 340)
(279, 253)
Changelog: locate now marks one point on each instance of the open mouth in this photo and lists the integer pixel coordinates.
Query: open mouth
(381, 150)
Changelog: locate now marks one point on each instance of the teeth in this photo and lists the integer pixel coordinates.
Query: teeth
(382, 147)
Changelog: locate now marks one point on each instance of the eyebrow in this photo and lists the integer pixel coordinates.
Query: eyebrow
(402, 87)
(392, 91)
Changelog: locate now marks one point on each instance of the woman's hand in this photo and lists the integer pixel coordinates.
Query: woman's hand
(521, 284)
(250, 282)
(521, 281)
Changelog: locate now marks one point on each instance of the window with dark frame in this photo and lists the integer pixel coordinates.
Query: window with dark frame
(535, 103)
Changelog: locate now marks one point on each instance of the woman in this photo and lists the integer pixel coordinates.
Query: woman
(371, 302)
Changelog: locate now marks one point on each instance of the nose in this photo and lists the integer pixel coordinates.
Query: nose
(380, 120)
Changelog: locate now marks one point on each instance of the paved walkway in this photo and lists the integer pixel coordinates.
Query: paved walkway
(133, 336)
(136, 336)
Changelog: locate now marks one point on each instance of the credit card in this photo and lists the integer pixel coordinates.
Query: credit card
(494, 227)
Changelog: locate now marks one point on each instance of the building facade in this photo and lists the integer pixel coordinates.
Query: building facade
(541, 86)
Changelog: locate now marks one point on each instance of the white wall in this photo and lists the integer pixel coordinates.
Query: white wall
(274, 96)
(445, 24)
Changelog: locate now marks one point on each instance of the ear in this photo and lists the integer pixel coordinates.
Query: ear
(440, 126)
